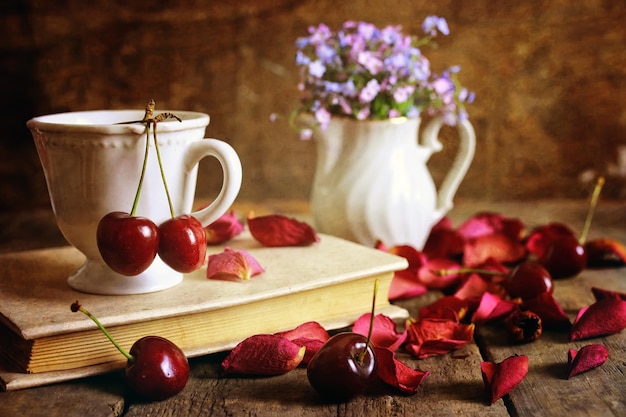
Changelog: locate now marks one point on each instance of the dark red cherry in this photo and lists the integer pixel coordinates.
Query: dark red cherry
(343, 367)
(528, 280)
(127, 244)
(158, 370)
(564, 257)
(182, 243)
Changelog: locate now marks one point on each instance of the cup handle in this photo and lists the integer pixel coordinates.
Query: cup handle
(231, 168)
(459, 167)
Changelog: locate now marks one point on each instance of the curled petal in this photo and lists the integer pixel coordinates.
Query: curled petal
(492, 307)
(415, 258)
(223, 229)
(263, 355)
(275, 230)
(396, 374)
(449, 307)
(600, 293)
(384, 332)
(501, 378)
(487, 223)
(431, 337)
(405, 284)
(233, 264)
(552, 315)
(310, 335)
(605, 253)
(602, 318)
(541, 237)
(585, 359)
(496, 246)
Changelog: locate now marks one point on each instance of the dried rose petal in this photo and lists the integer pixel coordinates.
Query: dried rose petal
(602, 318)
(275, 230)
(473, 288)
(431, 337)
(585, 359)
(263, 354)
(432, 279)
(310, 335)
(541, 237)
(396, 374)
(415, 258)
(233, 264)
(495, 246)
(405, 284)
(223, 229)
(501, 378)
(552, 315)
(605, 253)
(488, 223)
(443, 243)
(492, 307)
(384, 332)
(449, 307)
(600, 293)
(523, 326)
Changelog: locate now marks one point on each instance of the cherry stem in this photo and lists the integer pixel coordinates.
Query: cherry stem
(143, 172)
(361, 356)
(77, 307)
(443, 272)
(592, 207)
(156, 147)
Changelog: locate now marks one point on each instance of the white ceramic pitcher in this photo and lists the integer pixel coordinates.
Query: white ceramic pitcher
(371, 181)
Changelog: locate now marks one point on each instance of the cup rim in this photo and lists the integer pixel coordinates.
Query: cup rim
(79, 121)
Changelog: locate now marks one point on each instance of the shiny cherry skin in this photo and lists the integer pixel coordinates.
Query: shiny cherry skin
(565, 257)
(337, 372)
(159, 370)
(127, 244)
(528, 280)
(182, 243)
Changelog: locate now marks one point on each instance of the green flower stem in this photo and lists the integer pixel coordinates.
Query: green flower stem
(167, 191)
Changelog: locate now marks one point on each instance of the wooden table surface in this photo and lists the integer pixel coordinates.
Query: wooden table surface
(453, 388)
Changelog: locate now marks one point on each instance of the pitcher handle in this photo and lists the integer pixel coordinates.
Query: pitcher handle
(459, 167)
(232, 175)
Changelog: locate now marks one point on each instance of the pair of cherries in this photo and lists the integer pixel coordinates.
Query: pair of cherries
(128, 244)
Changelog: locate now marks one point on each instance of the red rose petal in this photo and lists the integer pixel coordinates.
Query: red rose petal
(491, 308)
(443, 243)
(552, 315)
(275, 230)
(396, 374)
(223, 229)
(263, 354)
(233, 264)
(310, 335)
(501, 378)
(600, 293)
(449, 307)
(428, 275)
(431, 337)
(585, 359)
(405, 284)
(605, 253)
(384, 332)
(487, 223)
(602, 318)
(496, 246)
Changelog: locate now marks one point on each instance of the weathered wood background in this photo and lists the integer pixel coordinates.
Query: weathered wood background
(549, 77)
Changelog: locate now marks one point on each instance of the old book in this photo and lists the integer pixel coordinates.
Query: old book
(42, 341)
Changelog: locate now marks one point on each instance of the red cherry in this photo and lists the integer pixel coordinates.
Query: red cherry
(565, 257)
(159, 369)
(343, 367)
(127, 244)
(528, 280)
(182, 243)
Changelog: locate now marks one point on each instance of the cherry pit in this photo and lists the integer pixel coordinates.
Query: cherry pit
(129, 243)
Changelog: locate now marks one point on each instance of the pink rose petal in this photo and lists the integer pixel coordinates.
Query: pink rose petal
(233, 264)
(384, 333)
(223, 229)
(492, 307)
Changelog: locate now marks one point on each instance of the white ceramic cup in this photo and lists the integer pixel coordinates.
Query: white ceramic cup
(92, 167)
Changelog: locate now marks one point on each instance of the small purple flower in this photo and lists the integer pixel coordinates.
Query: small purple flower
(317, 69)
(370, 91)
(370, 62)
(433, 23)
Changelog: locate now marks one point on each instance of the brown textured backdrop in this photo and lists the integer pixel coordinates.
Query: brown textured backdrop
(549, 77)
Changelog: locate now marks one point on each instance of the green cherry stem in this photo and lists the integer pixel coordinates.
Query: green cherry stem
(361, 356)
(77, 307)
(592, 207)
(143, 172)
(156, 147)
